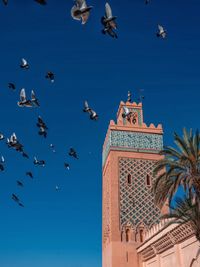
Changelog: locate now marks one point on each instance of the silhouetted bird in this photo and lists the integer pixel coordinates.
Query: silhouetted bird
(41, 2)
(19, 183)
(41, 123)
(162, 32)
(39, 162)
(29, 174)
(80, 11)
(2, 163)
(108, 21)
(66, 166)
(12, 86)
(5, 2)
(42, 132)
(17, 200)
(73, 153)
(50, 75)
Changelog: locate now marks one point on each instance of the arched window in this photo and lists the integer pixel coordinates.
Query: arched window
(128, 235)
(129, 179)
(141, 235)
(148, 180)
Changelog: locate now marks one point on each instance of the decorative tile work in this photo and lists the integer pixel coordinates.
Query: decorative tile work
(133, 141)
(136, 200)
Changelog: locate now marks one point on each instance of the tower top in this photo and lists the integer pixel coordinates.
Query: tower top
(129, 127)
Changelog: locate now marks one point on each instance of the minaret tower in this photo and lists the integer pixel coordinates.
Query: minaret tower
(130, 151)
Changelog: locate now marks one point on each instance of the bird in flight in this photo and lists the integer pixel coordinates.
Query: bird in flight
(2, 161)
(92, 113)
(73, 153)
(50, 75)
(80, 11)
(1, 136)
(42, 127)
(29, 174)
(39, 162)
(14, 143)
(66, 165)
(161, 32)
(41, 2)
(12, 86)
(19, 183)
(108, 21)
(5, 2)
(17, 200)
(24, 64)
(33, 102)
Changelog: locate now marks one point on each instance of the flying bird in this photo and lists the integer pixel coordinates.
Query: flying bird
(80, 11)
(1, 136)
(42, 127)
(66, 166)
(23, 101)
(39, 162)
(73, 153)
(19, 183)
(162, 32)
(126, 112)
(92, 113)
(50, 75)
(42, 131)
(5, 2)
(14, 143)
(17, 200)
(86, 107)
(41, 123)
(41, 2)
(29, 103)
(108, 21)
(12, 86)
(24, 64)
(29, 174)
(2, 163)
(34, 100)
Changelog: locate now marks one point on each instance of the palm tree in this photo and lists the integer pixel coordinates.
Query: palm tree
(179, 166)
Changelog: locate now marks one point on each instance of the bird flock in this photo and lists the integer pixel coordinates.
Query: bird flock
(81, 12)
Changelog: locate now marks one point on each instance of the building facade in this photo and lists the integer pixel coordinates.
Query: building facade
(130, 152)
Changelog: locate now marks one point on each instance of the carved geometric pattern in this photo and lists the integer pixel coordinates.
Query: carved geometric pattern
(136, 200)
(133, 141)
(139, 117)
(106, 208)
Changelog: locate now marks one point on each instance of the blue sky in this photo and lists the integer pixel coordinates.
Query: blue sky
(64, 228)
